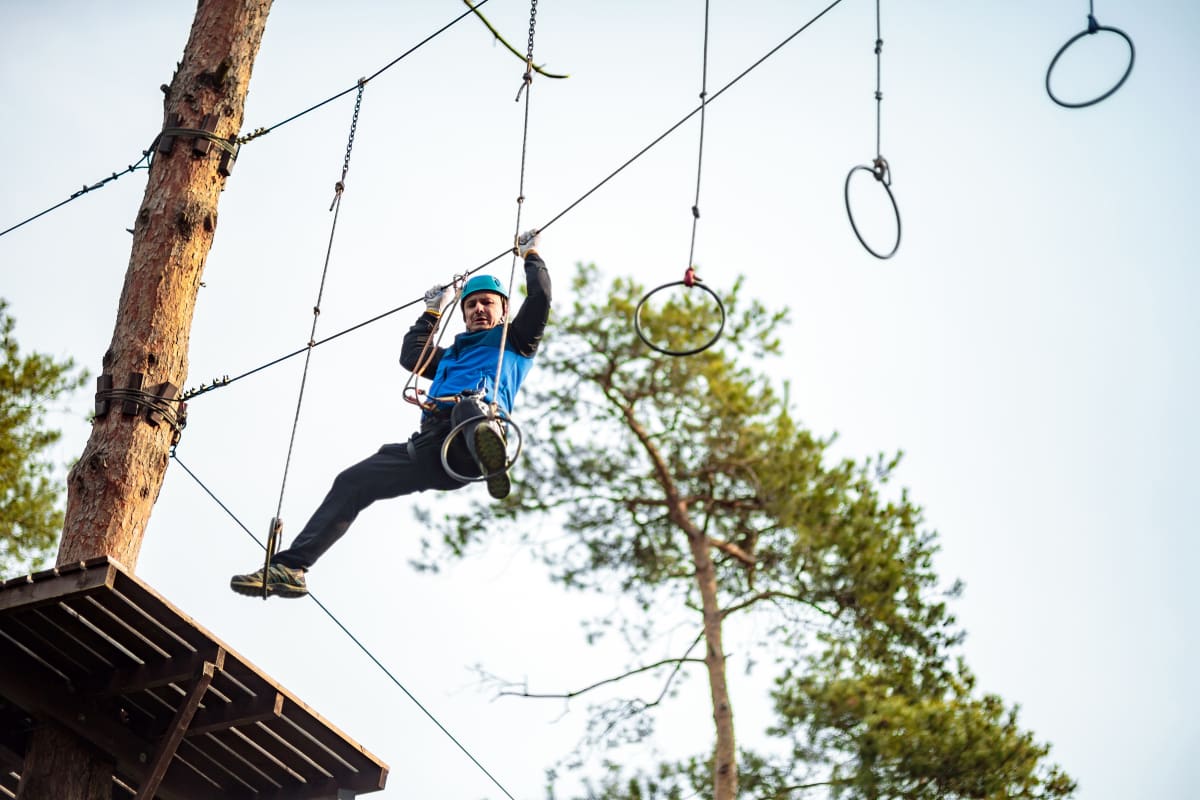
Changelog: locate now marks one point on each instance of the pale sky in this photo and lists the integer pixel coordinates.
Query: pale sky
(1031, 347)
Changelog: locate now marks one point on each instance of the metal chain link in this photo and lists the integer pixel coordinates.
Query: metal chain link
(532, 20)
(353, 126)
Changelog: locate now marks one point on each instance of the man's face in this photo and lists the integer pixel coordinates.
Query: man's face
(483, 310)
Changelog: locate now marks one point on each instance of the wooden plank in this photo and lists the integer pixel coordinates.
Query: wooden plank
(231, 715)
(262, 762)
(131, 649)
(22, 682)
(352, 754)
(61, 621)
(162, 610)
(63, 653)
(231, 755)
(167, 746)
(285, 751)
(211, 764)
(167, 641)
(51, 585)
(122, 636)
(140, 678)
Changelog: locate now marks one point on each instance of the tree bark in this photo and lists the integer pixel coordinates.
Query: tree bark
(725, 766)
(113, 487)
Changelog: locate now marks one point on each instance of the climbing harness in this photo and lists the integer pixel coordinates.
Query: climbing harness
(690, 278)
(1093, 27)
(276, 528)
(879, 168)
(495, 413)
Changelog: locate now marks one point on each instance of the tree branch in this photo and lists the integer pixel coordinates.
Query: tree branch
(504, 42)
(678, 662)
(731, 549)
(774, 595)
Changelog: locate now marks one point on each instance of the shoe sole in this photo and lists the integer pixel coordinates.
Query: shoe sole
(273, 589)
(493, 457)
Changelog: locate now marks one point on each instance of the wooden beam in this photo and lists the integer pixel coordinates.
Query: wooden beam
(21, 683)
(50, 586)
(233, 715)
(179, 725)
(160, 673)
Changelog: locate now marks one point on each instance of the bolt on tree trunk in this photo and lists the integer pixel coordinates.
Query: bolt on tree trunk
(112, 488)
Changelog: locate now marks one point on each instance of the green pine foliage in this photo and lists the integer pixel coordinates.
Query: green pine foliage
(626, 448)
(31, 516)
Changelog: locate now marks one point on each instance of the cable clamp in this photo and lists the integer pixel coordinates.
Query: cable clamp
(203, 139)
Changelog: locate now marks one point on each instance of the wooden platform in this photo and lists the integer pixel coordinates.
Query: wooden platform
(181, 715)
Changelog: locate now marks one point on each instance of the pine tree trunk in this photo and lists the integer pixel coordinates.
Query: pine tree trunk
(113, 487)
(725, 767)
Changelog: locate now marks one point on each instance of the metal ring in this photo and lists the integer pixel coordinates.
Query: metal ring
(502, 417)
(637, 320)
(888, 188)
(1092, 28)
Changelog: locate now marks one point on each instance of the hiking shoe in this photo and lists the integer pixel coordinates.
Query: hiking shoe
(493, 459)
(281, 581)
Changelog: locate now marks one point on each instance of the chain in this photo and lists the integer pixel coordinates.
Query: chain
(532, 20)
(527, 78)
(353, 126)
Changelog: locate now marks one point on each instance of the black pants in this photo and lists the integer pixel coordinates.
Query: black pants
(397, 469)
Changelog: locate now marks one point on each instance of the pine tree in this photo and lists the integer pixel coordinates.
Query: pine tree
(688, 484)
(31, 515)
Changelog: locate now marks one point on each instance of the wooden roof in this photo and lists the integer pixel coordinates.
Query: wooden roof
(181, 715)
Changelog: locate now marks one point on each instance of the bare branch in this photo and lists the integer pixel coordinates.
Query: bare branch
(504, 42)
(774, 595)
(678, 662)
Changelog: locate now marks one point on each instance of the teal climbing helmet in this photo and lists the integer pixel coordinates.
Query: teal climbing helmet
(483, 283)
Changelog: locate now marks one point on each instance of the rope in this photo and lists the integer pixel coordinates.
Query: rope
(219, 383)
(692, 113)
(878, 84)
(700, 156)
(527, 87)
(336, 208)
(353, 638)
(257, 132)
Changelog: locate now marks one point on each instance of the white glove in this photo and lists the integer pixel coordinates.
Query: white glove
(438, 297)
(527, 242)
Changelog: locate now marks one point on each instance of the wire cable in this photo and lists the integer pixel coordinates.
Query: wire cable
(700, 154)
(692, 113)
(219, 383)
(527, 88)
(336, 208)
(257, 132)
(352, 637)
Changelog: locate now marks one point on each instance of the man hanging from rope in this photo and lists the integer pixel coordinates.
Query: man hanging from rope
(465, 381)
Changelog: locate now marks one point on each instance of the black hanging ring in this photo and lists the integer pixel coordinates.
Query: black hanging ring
(457, 429)
(689, 281)
(1093, 27)
(879, 172)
